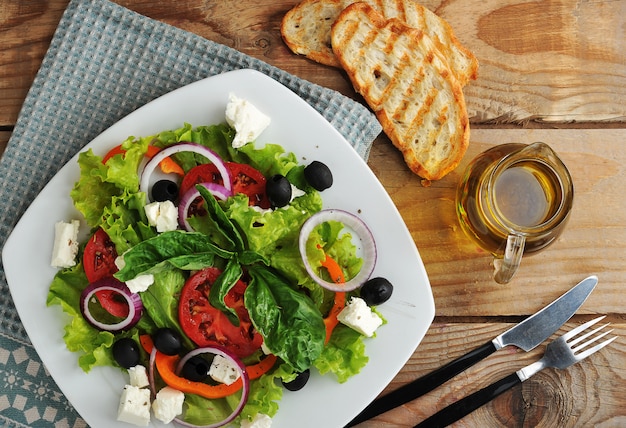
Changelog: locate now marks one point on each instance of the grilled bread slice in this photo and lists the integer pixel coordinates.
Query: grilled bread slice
(408, 84)
(306, 31)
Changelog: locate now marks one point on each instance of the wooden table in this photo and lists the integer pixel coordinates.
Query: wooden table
(552, 71)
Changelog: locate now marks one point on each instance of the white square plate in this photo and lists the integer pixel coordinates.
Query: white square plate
(298, 128)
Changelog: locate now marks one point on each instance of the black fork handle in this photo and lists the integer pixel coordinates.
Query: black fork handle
(423, 385)
(467, 405)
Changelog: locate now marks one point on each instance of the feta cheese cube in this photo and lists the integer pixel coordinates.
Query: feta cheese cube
(162, 215)
(222, 370)
(140, 283)
(360, 317)
(265, 349)
(296, 193)
(260, 420)
(65, 245)
(119, 262)
(246, 119)
(134, 406)
(168, 404)
(138, 376)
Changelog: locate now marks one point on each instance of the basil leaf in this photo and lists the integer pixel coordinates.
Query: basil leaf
(222, 285)
(248, 257)
(183, 250)
(293, 328)
(218, 215)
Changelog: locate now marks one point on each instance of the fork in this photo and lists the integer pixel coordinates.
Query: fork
(561, 353)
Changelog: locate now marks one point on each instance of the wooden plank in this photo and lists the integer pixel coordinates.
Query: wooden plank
(551, 60)
(593, 242)
(574, 70)
(4, 139)
(581, 395)
(26, 30)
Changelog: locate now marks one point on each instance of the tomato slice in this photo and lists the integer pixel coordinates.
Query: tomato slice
(208, 326)
(246, 179)
(99, 262)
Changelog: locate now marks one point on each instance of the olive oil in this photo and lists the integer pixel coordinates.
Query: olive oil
(526, 193)
(525, 196)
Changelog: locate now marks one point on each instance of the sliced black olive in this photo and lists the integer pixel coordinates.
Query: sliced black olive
(164, 190)
(196, 369)
(126, 352)
(167, 341)
(318, 175)
(278, 190)
(376, 291)
(299, 382)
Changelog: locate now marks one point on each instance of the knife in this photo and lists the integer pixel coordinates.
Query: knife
(525, 335)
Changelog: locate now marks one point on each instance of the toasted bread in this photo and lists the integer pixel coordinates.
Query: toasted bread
(306, 31)
(408, 84)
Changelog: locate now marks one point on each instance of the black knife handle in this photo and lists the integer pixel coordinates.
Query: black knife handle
(423, 385)
(467, 405)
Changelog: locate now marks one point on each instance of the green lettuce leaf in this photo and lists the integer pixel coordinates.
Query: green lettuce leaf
(124, 220)
(91, 193)
(344, 355)
(93, 345)
(160, 302)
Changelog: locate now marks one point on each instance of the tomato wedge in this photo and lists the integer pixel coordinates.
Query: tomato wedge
(245, 179)
(99, 262)
(208, 326)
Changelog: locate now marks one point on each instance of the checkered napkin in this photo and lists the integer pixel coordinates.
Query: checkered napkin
(104, 62)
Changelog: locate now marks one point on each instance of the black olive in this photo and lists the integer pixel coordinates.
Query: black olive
(299, 382)
(196, 369)
(318, 175)
(278, 190)
(167, 341)
(164, 190)
(126, 352)
(376, 291)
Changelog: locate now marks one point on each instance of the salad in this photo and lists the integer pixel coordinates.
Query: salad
(213, 275)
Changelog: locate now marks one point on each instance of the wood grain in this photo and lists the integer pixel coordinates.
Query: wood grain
(589, 393)
(552, 60)
(4, 139)
(593, 242)
(544, 61)
(26, 29)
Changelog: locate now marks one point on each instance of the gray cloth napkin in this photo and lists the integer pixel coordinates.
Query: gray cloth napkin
(104, 62)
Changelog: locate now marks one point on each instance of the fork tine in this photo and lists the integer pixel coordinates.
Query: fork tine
(589, 342)
(572, 333)
(587, 352)
(586, 335)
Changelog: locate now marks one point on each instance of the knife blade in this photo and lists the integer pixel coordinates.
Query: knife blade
(526, 335)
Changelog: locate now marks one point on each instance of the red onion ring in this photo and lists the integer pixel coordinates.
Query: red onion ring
(217, 190)
(241, 368)
(151, 371)
(363, 234)
(151, 165)
(134, 304)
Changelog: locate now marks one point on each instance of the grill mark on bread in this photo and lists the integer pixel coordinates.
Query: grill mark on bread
(406, 80)
(315, 44)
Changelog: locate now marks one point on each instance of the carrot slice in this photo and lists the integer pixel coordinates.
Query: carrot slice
(336, 274)
(167, 165)
(331, 320)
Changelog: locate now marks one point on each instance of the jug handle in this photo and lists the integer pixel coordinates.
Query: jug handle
(512, 258)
